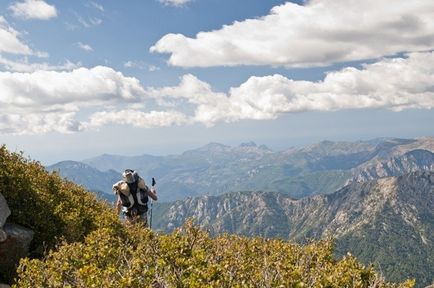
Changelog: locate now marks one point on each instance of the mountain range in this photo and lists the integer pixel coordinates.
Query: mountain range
(87, 176)
(387, 221)
(376, 198)
(299, 172)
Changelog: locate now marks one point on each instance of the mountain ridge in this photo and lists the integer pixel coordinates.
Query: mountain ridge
(86, 175)
(316, 169)
(366, 218)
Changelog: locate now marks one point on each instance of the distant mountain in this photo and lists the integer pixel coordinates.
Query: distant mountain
(415, 160)
(317, 169)
(87, 176)
(107, 162)
(387, 221)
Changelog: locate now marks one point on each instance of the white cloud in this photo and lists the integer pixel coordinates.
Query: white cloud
(97, 6)
(38, 123)
(87, 23)
(9, 40)
(33, 9)
(85, 47)
(25, 66)
(45, 90)
(129, 64)
(320, 33)
(95, 21)
(49, 101)
(175, 3)
(134, 64)
(153, 68)
(396, 84)
(391, 83)
(195, 91)
(135, 118)
(141, 65)
(109, 97)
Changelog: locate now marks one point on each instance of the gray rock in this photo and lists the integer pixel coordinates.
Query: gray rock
(15, 247)
(4, 211)
(4, 286)
(22, 235)
(3, 236)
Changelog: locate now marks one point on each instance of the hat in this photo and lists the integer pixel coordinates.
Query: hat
(130, 176)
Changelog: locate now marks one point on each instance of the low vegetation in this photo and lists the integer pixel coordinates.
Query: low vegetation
(86, 246)
(49, 205)
(189, 257)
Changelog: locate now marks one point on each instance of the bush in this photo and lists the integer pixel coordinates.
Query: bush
(189, 257)
(51, 206)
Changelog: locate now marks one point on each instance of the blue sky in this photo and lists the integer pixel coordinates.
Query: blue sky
(82, 78)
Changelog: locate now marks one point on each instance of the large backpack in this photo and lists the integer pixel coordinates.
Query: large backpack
(134, 196)
(138, 198)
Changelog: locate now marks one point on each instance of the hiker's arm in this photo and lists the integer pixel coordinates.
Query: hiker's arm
(118, 205)
(153, 194)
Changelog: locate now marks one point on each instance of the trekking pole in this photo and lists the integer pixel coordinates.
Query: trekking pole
(152, 202)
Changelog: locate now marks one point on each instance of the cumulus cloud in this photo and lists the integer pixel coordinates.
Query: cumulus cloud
(211, 106)
(80, 87)
(33, 9)
(396, 84)
(38, 123)
(41, 96)
(319, 33)
(175, 3)
(9, 40)
(45, 101)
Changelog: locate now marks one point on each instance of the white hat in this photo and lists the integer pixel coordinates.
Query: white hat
(130, 176)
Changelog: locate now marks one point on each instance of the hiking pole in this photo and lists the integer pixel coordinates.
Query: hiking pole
(152, 202)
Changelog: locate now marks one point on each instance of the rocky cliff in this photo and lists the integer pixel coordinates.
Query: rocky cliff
(387, 221)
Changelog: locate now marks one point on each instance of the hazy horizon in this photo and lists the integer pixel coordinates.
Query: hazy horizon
(49, 158)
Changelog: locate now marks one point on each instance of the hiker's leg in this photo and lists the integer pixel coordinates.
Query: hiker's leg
(144, 219)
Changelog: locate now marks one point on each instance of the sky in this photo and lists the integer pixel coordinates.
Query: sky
(83, 78)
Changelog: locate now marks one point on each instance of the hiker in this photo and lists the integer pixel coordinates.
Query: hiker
(132, 199)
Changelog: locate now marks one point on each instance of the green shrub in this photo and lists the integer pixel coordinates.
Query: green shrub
(53, 207)
(189, 257)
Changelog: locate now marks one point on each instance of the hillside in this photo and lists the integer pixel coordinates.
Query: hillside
(317, 169)
(84, 245)
(83, 174)
(51, 208)
(388, 221)
(413, 160)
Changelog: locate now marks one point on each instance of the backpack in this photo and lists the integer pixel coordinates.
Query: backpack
(134, 196)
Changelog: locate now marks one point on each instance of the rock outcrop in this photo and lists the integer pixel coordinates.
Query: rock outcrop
(14, 243)
(412, 161)
(4, 214)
